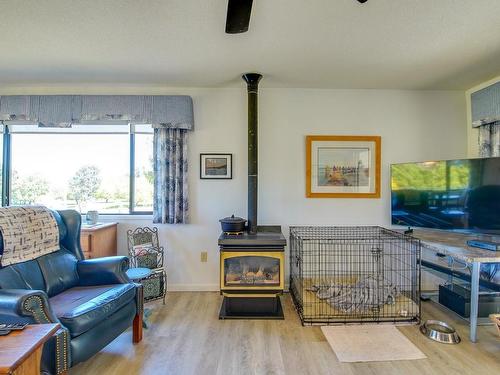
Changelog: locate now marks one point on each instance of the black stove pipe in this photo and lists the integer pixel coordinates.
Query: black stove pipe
(252, 80)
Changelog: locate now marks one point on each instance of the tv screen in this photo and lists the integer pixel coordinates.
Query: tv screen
(453, 194)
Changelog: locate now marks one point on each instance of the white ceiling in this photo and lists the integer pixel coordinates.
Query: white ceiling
(407, 44)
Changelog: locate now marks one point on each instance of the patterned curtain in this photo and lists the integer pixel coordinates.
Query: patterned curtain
(170, 202)
(489, 140)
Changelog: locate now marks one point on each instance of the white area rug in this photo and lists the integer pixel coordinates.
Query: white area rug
(370, 343)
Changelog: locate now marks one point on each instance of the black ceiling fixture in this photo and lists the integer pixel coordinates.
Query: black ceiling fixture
(238, 15)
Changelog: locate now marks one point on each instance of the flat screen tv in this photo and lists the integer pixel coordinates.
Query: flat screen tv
(461, 195)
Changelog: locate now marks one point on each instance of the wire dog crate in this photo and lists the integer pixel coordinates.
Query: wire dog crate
(354, 275)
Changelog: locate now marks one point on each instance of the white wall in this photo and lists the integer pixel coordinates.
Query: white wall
(414, 125)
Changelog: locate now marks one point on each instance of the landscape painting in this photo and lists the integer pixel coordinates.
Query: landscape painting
(215, 166)
(343, 166)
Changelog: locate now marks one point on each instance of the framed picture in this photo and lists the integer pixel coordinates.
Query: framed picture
(343, 166)
(216, 166)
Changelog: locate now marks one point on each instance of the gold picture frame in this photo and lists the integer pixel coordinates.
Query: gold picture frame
(343, 166)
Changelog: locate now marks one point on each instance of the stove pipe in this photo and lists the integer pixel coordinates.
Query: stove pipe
(252, 80)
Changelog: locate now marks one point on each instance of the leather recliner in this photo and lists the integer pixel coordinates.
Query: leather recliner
(93, 300)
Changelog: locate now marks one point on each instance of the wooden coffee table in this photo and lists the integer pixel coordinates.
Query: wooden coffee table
(21, 351)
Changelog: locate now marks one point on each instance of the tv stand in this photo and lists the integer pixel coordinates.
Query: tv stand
(455, 246)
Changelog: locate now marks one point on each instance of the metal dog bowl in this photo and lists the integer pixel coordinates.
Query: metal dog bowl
(440, 332)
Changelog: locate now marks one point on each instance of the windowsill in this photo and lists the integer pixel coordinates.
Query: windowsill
(106, 218)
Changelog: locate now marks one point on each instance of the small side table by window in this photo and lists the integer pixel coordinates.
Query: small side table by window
(21, 351)
(137, 274)
(99, 240)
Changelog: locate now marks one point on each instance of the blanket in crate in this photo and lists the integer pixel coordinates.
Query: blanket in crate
(28, 232)
(367, 293)
(322, 309)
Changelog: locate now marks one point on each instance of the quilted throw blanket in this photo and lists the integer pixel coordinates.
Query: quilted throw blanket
(28, 233)
(368, 293)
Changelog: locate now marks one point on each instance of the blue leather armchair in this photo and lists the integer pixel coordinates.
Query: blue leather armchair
(93, 300)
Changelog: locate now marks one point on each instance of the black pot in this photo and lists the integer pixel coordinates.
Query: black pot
(233, 224)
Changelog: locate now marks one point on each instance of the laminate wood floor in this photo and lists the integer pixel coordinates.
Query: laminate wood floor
(186, 337)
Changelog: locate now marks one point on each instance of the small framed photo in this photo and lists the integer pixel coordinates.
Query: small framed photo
(216, 166)
(343, 166)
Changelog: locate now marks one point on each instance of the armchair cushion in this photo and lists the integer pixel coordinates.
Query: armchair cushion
(101, 271)
(59, 271)
(82, 308)
(26, 275)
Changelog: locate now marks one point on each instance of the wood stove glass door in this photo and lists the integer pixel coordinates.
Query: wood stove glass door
(246, 271)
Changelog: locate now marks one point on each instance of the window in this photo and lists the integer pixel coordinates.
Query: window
(86, 167)
(143, 187)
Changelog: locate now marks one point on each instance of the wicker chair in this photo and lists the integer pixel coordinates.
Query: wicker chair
(146, 252)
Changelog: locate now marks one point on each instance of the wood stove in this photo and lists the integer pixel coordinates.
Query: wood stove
(252, 267)
(252, 274)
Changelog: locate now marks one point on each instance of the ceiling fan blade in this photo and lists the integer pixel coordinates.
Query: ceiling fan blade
(238, 16)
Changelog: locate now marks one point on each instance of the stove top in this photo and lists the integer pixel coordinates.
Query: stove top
(266, 236)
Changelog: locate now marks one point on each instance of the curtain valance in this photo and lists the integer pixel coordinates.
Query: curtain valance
(166, 111)
(485, 105)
